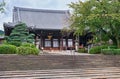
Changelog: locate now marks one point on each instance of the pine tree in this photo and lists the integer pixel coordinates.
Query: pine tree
(20, 34)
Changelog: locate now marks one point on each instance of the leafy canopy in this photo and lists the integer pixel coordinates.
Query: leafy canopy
(2, 4)
(102, 17)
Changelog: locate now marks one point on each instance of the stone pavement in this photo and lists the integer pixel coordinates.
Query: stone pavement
(67, 52)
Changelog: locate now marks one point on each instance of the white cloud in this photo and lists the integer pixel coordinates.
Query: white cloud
(40, 4)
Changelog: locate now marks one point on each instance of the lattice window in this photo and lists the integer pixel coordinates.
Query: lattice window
(47, 43)
(70, 43)
(55, 43)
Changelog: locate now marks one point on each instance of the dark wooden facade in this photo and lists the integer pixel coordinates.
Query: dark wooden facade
(53, 40)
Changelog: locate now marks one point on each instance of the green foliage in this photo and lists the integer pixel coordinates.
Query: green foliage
(97, 49)
(28, 45)
(7, 49)
(111, 51)
(15, 43)
(20, 33)
(112, 47)
(2, 4)
(82, 50)
(5, 42)
(66, 31)
(102, 17)
(27, 51)
(22, 49)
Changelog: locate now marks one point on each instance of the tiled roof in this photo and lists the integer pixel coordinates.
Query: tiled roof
(41, 18)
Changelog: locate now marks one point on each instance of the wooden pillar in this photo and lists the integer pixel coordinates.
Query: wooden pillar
(59, 39)
(51, 43)
(74, 43)
(37, 42)
(41, 42)
(61, 43)
(66, 43)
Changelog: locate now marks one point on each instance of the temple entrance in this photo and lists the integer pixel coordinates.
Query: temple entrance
(53, 40)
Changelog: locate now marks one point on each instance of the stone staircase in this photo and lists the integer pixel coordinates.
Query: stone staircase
(19, 62)
(59, 66)
(86, 73)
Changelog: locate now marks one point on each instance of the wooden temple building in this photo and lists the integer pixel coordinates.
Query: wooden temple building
(47, 26)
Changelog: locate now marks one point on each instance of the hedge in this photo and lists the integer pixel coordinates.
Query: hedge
(27, 51)
(15, 43)
(7, 49)
(111, 51)
(97, 49)
(28, 45)
(82, 50)
(112, 47)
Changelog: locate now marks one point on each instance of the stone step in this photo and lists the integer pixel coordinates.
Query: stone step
(109, 73)
(19, 62)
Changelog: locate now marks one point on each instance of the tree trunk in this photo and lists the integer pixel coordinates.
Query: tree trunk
(114, 41)
(118, 43)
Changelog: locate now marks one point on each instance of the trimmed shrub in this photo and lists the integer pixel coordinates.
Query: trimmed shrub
(27, 51)
(28, 45)
(111, 51)
(15, 43)
(82, 50)
(97, 49)
(107, 51)
(112, 47)
(7, 49)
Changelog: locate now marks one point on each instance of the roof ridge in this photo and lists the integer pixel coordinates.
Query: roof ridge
(41, 10)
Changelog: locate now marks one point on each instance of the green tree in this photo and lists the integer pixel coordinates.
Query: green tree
(101, 16)
(2, 4)
(66, 31)
(20, 34)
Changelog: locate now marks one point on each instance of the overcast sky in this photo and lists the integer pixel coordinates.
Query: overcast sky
(39, 4)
